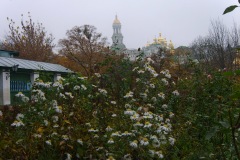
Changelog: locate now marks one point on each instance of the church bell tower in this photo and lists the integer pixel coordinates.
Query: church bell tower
(117, 37)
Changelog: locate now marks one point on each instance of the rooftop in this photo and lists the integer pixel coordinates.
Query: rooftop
(32, 65)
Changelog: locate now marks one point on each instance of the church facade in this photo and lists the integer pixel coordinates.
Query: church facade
(159, 43)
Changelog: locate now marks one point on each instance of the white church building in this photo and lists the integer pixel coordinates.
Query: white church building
(148, 50)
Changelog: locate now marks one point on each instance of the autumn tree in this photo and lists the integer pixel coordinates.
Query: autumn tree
(85, 46)
(66, 62)
(30, 39)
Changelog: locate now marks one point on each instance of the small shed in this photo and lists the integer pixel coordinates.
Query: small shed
(18, 75)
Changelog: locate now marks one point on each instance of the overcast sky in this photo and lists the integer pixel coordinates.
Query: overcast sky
(178, 20)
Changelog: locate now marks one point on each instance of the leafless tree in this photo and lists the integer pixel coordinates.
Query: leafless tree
(30, 39)
(217, 49)
(84, 46)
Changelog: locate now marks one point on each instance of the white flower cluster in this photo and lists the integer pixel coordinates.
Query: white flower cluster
(129, 94)
(150, 69)
(83, 87)
(40, 83)
(22, 96)
(38, 95)
(166, 73)
(76, 87)
(195, 61)
(147, 67)
(97, 75)
(102, 91)
(176, 93)
(69, 94)
(57, 108)
(18, 122)
(58, 85)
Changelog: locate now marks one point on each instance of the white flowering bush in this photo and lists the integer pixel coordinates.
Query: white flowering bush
(139, 110)
(125, 115)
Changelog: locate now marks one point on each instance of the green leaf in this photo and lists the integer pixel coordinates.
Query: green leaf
(224, 124)
(211, 133)
(230, 9)
(235, 96)
(19, 141)
(230, 73)
(237, 71)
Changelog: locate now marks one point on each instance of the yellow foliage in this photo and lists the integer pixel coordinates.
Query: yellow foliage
(66, 121)
(40, 130)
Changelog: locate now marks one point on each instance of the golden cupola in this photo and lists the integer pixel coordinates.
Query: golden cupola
(160, 39)
(155, 40)
(170, 45)
(116, 21)
(165, 42)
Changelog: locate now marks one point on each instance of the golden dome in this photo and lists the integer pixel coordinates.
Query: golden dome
(160, 35)
(160, 38)
(155, 41)
(165, 41)
(116, 21)
(171, 45)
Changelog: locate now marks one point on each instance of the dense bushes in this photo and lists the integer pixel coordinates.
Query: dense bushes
(208, 115)
(129, 112)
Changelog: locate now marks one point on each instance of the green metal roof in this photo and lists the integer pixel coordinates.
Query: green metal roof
(32, 65)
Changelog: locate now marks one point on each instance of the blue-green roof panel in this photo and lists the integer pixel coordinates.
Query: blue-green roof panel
(32, 65)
